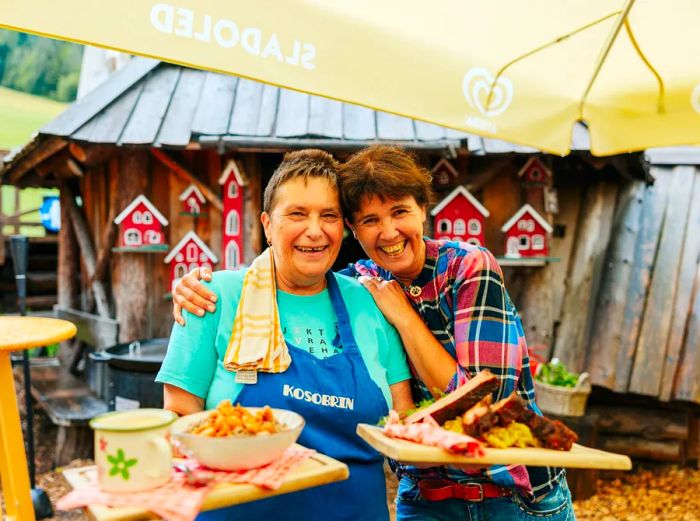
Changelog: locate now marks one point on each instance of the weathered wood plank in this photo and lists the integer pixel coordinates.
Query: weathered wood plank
(656, 321)
(635, 447)
(215, 104)
(653, 208)
(612, 296)
(292, 113)
(252, 208)
(68, 255)
(325, 118)
(358, 122)
(107, 126)
(268, 110)
(429, 132)
(501, 195)
(395, 128)
(651, 424)
(569, 193)
(176, 129)
(687, 381)
(246, 110)
(681, 309)
(147, 117)
(79, 113)
(584, 275)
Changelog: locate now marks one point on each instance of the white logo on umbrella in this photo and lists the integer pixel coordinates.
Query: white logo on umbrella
(695, 98)
(476, 86)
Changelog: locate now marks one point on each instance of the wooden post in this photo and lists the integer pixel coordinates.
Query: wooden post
(252, 207)
(87, 250)
(68, 255)
(131, 283)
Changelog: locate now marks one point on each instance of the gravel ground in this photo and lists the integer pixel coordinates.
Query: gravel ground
(648, 493)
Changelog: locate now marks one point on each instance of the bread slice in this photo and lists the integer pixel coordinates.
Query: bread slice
(459, 400)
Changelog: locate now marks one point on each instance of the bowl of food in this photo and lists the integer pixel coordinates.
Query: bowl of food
(232, 437)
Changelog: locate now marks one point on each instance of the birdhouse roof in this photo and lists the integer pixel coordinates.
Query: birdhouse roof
(192, 189)
(526, 208)
(132, 206)
(444, 163)
(191, 235)
(534, 161)
(454, 193)
(232, 167)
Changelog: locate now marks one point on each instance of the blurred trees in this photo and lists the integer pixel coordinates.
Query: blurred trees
(39, 65)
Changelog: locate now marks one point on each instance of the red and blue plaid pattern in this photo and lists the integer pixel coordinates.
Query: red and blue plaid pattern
(465, 304)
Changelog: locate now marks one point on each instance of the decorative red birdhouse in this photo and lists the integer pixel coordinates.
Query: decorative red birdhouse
(535, 172)
(444, 174)
(141, 226)
(232, 184)
(460, 217)
(189, 253)
(192, 200)
(526, 234)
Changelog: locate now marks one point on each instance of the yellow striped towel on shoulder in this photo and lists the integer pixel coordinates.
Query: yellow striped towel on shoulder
(257, 343)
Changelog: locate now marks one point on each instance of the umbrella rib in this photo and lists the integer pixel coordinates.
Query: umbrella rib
(662, 90)
(557, 40)
(606, 50)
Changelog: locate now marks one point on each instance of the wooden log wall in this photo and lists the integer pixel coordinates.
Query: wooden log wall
(139, 282)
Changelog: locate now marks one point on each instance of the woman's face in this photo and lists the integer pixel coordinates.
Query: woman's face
(305, 227)
(391, 233)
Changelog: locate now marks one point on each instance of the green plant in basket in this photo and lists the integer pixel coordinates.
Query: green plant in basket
(556, 373)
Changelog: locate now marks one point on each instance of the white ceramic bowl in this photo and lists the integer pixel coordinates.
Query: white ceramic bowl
(236, 453)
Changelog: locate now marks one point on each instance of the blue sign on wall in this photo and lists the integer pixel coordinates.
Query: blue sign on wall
(50, 213)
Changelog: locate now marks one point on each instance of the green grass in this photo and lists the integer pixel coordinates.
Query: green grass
(23, 114)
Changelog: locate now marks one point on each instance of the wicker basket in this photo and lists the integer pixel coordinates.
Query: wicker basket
(564, 401)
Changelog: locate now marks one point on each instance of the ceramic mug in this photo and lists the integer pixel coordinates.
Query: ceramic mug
(132, 449)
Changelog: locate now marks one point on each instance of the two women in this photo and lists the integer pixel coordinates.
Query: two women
(335, 343)
(449, 304)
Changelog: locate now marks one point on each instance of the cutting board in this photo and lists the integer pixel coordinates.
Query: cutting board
(410, 452)
(315, 471)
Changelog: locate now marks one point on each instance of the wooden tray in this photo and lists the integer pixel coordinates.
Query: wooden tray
(318, 470)
(410, 452)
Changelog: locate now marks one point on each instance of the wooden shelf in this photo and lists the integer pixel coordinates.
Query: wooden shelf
(153, 248)
(528, 262)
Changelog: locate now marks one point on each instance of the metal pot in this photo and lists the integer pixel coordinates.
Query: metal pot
(131, 370)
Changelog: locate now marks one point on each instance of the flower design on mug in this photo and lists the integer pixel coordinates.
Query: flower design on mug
(120, 465)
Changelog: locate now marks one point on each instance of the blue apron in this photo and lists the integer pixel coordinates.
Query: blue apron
(333, 395)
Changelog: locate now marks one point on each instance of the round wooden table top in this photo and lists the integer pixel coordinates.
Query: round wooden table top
(26, 332)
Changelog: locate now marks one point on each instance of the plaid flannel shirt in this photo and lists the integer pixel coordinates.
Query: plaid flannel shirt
(465, 304)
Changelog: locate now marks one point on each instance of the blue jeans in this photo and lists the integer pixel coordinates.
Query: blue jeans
(555, 506)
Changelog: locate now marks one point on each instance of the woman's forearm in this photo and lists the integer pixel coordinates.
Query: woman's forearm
(180, 401)
(434, 365)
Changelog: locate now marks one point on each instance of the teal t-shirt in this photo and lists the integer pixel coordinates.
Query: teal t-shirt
(194, 361)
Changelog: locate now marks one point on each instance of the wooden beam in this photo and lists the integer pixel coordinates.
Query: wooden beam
(91, 155)
(110, 229)
(87, 250)
(43, 150)
(651, 424)
(184, 174)
(636, 447)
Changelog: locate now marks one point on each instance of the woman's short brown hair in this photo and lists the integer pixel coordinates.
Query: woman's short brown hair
(383, 171)
(305, 163)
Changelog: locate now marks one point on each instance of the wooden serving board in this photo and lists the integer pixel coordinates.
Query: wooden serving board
(410, 452)
(315, 471)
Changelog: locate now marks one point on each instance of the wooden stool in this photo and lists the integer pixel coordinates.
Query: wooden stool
(19, 333)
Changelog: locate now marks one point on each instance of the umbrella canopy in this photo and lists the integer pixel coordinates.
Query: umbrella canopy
(524, 72)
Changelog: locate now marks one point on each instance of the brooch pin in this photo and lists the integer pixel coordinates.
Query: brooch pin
(415, 291)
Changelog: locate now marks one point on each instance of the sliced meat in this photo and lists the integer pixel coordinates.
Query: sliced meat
(477, 420)
(459, 400)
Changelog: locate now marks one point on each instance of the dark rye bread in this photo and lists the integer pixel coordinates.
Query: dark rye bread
(459, 400)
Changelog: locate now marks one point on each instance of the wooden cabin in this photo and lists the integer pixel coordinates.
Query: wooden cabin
(618, 295)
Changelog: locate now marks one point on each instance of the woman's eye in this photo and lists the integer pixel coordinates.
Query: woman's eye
(369, 222)
(331, 216)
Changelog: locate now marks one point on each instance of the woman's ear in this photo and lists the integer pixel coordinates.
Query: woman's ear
(349, 225)
(265, 220)
(424, 209)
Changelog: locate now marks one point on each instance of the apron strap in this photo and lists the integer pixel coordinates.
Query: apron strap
(347, 339)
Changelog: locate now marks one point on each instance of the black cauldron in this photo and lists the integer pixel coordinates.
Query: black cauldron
(123, 374)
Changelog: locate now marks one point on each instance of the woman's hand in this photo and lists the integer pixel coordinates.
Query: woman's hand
(390, 299)
(192, 295)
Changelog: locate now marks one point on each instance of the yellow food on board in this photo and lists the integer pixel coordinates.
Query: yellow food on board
(514, 435)
(234, 420)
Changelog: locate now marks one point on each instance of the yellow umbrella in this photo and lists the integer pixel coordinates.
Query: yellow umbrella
(520, 71)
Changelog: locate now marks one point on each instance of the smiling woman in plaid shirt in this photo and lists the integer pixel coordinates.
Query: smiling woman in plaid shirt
(449, 304)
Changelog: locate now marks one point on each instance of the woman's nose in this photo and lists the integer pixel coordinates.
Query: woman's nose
(388, 229)
(314, 227)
